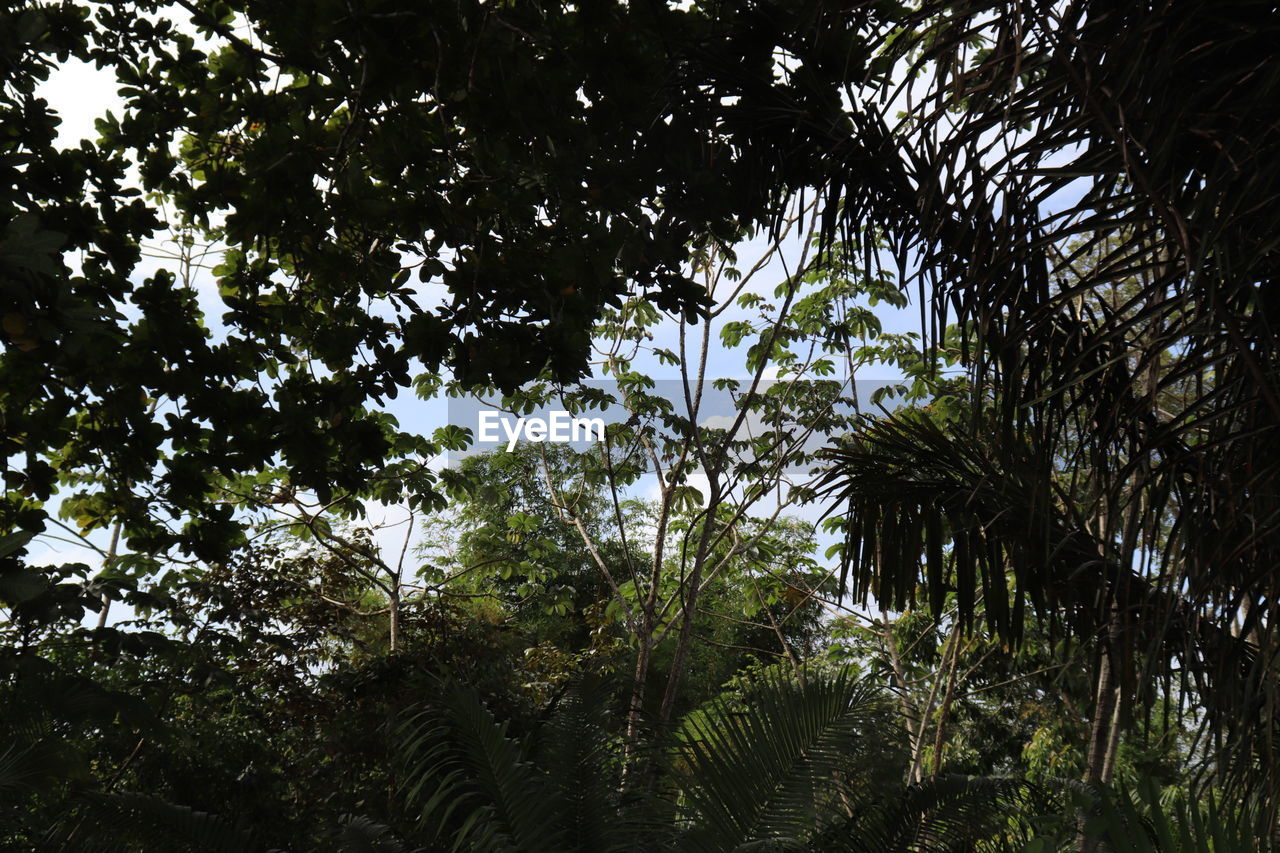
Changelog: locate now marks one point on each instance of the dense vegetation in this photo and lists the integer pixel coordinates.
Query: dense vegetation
(1021, 598)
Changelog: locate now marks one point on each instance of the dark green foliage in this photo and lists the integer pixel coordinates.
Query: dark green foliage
(529, 166)
(782, 766)
(470, 188)
(940, 815)
(468, 786)
(106, 823)
(777, 762)
(1147, 820)
(1141, 151)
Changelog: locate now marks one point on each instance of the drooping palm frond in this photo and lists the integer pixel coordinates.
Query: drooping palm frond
(1037, 157)
(768, 771)
(912, 485)
(928, 496)
(1144, 819)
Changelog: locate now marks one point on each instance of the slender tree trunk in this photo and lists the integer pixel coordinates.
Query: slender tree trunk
(916, 773)
(909, 711)
(1102, 722)
(689, 611)
(107, 561)
(1104, 710)
(635, 709)
(393, 612)
(1113, 738)
(1103, 738)
(939, 737)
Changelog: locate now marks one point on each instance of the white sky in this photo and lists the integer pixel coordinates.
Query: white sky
(81, 94)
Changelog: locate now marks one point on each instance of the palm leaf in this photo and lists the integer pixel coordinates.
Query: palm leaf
(1025, 139)
(470, 785)
(362, 835)
(915, 487)
(26, 766)
(1144, 819)
(574, 747)
(767, 771)
(940, 815)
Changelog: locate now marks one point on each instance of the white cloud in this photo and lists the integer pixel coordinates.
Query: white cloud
(719, 421)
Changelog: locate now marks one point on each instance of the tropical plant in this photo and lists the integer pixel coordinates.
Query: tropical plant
(1146, 819)
(544, 166)
(1145, 134)
(789, 763)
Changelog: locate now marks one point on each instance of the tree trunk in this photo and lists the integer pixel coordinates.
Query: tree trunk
(1104, 709)
(939, 737)
(393, 611)
(635, 710)
(107, 562)
(909, 712)
(1103, 738)
(685, 635)
(1113, 739)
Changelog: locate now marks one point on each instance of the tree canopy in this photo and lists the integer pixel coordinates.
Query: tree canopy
(392, 190)
(1071, 508)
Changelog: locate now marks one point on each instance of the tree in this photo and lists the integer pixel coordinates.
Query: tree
(530, 170)
(559, 578)
(727, 457)
(1142, 127)
(535, 163)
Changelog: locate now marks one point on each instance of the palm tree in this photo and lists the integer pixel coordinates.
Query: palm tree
(1144, 135)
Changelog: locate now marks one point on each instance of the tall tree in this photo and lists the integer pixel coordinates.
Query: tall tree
(530, 163)
(1148, 128)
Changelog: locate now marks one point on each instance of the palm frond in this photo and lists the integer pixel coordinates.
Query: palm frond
(1036, 157)
(361, 835)
(1144, 819)
(768, 770)
(946, 814)
(26, 766)
(473, 786)
(574, 747)
(933, 499)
